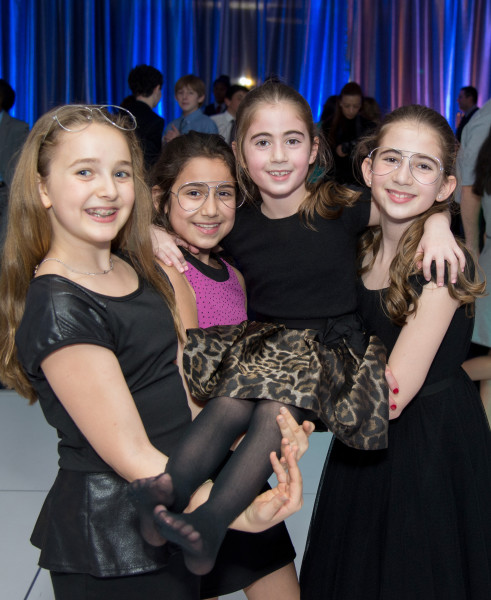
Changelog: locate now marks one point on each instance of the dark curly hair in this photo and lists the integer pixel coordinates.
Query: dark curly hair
(143, 79)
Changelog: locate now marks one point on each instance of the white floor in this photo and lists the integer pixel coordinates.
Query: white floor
(28, 467)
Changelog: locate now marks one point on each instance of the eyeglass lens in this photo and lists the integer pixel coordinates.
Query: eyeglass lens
(111, 113)
(192, 195)
(424, 168)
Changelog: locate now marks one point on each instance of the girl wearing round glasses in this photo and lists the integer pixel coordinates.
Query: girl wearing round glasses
(413, 520)
(195, 196)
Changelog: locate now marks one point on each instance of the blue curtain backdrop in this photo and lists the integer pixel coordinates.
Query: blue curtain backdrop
(58, 51)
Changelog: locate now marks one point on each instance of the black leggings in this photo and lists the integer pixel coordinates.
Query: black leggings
(202, 449)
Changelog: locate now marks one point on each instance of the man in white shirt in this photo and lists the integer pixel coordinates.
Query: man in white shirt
(226, 121)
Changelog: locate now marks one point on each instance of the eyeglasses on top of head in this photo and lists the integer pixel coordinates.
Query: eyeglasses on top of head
(193, 194)
(109, 112)
(424, 168)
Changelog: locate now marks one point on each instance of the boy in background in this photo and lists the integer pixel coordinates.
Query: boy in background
(226, 121)
(190, 94)
(145, 83)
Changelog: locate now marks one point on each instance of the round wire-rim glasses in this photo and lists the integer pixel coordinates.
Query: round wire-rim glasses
(108, 111)
(193, 194)
(424, 168)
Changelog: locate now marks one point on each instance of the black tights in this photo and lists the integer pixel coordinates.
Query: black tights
(197, 457)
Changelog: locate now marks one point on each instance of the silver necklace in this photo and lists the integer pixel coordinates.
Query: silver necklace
(105, 272)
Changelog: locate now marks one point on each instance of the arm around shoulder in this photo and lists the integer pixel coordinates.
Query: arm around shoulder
(185, 296)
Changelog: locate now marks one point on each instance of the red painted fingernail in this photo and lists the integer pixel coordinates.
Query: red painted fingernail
(395, 391)
(393, 407)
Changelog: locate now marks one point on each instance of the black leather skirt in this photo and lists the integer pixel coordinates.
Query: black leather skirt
(88, 525)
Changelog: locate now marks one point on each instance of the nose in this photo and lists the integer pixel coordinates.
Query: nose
(403, 173)
(210, 206)
(107, 188)
(278, 153)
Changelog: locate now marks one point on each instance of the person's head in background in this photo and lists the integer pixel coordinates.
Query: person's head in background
(467, 98)
(234, 96)
(7, 95)
(145, 83)
(190, 93)
(371, 110)
(350, 100)
(329, 108)
(220, 88)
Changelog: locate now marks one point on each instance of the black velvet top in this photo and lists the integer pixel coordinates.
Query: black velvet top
(296, 272)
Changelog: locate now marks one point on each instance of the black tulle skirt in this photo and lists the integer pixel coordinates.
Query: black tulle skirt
(412, 521)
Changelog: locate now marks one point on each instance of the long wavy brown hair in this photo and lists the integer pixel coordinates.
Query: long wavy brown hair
(401, 300)
(350, 89)
(29, 232)
(322, 197)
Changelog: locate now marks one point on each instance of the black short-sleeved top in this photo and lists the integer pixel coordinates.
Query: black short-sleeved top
(138, 328)
(296, 272)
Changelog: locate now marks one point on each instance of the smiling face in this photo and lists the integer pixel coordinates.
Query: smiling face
(209, 224)
(399, 195)
(188, 100)
(89, 191)
(278, 151)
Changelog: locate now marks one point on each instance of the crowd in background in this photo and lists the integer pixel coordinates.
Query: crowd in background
(207, 162)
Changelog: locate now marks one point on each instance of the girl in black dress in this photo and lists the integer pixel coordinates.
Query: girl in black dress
(414, 520)
(91, 330)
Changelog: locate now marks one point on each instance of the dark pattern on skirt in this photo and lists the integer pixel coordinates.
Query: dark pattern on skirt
(267, 361)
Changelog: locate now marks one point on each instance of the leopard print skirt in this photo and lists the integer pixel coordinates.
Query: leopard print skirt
(347, 391)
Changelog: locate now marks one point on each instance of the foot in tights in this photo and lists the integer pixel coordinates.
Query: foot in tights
(199, 556)
(200, 533)
(145, 495)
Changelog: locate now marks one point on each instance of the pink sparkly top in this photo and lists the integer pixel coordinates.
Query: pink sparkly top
(220, 299)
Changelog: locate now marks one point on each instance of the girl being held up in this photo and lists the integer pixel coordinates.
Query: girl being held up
(295, 244)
